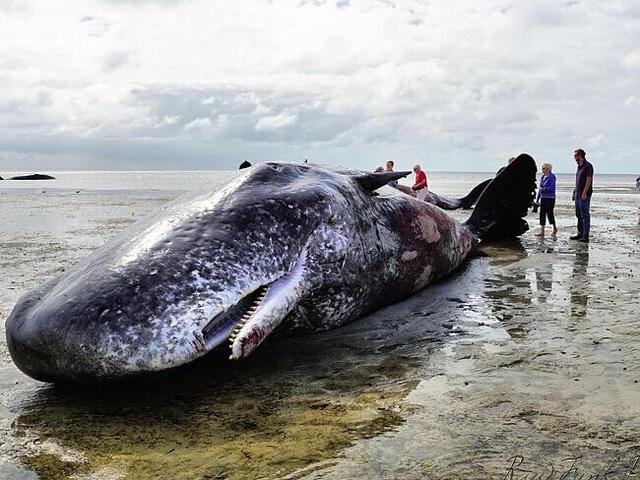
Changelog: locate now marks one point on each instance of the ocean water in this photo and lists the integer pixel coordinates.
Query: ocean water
(451, 183)
(122, 180)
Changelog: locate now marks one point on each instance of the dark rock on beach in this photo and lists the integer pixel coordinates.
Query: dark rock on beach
(34, 176)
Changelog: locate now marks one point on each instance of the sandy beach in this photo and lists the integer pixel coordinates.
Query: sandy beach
(525, 362)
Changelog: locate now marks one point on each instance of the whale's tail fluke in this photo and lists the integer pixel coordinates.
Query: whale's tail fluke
(502, 206)
(473, 196)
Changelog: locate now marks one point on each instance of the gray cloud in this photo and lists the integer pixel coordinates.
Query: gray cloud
(115, 60)
(238, 114)
(14, 6)
(144, 2)
(458, 85)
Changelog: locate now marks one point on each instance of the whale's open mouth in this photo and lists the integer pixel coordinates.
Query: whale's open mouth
(228, 323)
(257, 297)
(252, 318)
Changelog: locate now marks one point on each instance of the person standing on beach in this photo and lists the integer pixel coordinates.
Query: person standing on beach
(582, 195)
(420, 185)
(389, 168)
(547, 199)
(638, 187)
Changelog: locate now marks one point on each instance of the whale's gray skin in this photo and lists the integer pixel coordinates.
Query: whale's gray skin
(282, 246)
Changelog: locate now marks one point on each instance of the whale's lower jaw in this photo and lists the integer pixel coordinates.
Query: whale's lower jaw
(221, 326)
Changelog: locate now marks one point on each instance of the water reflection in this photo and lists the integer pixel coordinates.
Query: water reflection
(543, 277)
(508, 291)
(579, 283)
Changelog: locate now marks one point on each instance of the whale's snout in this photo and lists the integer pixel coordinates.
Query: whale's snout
(213, 270)
(33, 339)
(30, 357)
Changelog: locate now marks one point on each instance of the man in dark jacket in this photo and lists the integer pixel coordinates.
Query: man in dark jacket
(582, 195)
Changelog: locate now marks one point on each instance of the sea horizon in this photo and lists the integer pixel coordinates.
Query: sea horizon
(29, 172)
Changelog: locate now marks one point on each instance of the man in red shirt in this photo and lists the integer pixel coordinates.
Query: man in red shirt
(420, 185)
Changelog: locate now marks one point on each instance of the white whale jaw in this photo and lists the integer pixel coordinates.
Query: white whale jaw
(274, 304)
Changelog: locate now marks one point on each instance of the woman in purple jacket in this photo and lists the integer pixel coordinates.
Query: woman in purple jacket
(547, 199)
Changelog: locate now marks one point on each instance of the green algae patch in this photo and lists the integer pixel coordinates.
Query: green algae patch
(257, 423)
(51, 467)
(297, 433)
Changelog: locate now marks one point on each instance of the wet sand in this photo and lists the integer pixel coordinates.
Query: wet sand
(527, 356)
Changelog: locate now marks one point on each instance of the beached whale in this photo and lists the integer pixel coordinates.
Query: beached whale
(284, 247)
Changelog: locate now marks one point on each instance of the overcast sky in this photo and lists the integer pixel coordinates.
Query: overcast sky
(204, 84)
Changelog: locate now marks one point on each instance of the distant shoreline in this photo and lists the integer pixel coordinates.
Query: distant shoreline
(462, 172)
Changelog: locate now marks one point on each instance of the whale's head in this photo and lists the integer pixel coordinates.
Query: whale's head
(216, 270)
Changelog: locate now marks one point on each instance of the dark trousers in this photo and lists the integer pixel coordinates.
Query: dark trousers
(583, 213)
(546, 211)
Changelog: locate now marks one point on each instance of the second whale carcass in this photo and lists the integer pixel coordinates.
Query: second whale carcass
(281, 247)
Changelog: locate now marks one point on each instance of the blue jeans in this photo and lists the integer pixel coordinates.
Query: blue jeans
(584, 216)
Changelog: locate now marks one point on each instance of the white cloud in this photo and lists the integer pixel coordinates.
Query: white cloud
(595, 141)
(199, 124)
(632, 102)
(276, 122)
(462, 83)
(632, 60)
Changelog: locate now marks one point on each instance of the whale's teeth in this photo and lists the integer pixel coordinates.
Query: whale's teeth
(247, 316)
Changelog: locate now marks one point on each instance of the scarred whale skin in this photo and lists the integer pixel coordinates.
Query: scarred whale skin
(309, 247)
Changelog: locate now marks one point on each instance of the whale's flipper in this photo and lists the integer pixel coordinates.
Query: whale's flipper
(373, 181)
(502, 206)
